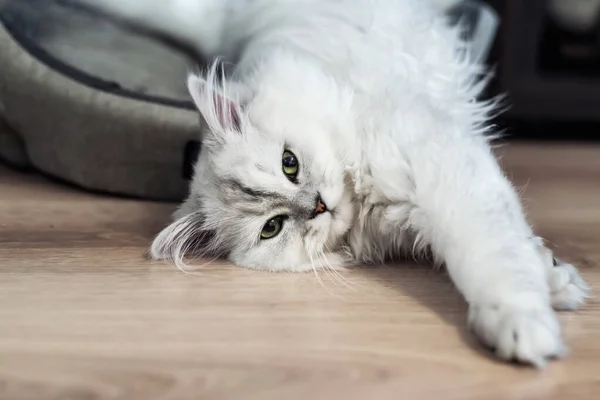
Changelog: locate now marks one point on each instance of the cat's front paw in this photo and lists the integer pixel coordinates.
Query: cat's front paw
(520, 333)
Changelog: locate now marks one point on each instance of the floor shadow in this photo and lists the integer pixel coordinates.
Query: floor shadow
(434, 290)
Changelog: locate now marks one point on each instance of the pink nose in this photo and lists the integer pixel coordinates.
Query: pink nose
(320, 207)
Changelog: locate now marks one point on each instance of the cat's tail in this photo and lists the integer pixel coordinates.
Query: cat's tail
(196, 23)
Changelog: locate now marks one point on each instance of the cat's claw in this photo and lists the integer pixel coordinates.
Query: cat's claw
(528, 335)
(568, 290)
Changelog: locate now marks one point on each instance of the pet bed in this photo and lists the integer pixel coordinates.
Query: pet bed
(113, 118)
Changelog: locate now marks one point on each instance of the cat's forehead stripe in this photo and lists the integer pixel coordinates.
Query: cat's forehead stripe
(251, 192)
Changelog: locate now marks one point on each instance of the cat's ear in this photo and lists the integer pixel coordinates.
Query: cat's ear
(184, 237)
(220, 112)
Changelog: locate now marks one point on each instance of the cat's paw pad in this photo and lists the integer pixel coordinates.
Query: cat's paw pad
(568, 290)
(530, 336)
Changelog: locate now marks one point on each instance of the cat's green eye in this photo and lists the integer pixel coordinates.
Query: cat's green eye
(289, 164)
(272, 227)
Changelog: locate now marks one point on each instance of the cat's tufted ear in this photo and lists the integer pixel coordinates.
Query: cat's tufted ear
(184, 237)
(220, 112)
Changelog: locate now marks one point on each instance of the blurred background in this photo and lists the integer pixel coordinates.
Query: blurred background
(547, 54)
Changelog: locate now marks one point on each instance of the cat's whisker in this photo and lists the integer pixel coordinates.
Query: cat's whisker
(320, 257)
(317, 252)
(340, 278)
(327, 269)
(312, 263)
(353, 284)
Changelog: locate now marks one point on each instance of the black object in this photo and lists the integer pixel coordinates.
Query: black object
(191, 152)
(549, 74)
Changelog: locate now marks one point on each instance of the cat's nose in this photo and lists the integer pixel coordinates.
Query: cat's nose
(320, 206)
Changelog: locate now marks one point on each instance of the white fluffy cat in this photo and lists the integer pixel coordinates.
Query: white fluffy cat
(348, 132)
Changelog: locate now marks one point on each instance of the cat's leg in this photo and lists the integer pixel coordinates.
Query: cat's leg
(471, 217)
(568, 290)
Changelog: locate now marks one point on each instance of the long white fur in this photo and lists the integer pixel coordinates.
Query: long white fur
(379, 99)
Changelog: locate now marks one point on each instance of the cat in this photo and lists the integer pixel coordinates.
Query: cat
(347, 132)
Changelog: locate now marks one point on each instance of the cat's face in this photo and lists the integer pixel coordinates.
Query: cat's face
(269, 190)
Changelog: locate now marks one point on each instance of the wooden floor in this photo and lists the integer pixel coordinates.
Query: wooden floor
(84, 315)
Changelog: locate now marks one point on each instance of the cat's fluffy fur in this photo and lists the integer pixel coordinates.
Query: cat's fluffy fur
(378, 100)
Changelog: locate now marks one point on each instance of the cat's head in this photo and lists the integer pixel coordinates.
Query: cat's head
(269, 188)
